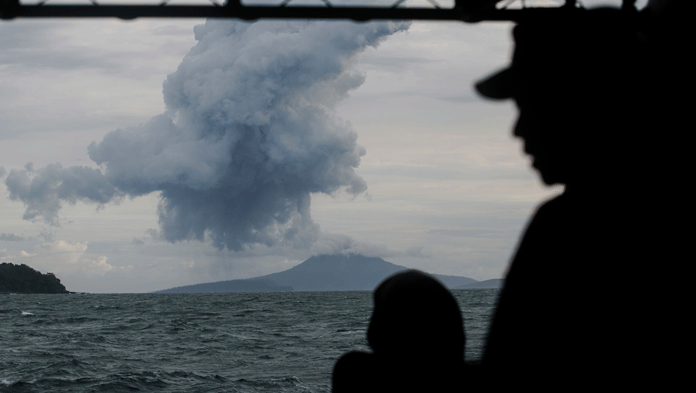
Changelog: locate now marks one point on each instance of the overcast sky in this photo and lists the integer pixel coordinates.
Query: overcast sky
(375, 145)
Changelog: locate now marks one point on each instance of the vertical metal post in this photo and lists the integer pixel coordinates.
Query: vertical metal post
(8, 8)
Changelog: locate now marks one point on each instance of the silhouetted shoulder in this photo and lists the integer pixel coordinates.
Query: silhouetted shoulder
(355, 372)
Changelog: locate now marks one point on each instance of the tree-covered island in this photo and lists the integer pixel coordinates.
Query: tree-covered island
(23, 279)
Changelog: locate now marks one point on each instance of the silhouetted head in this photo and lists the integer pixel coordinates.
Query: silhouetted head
(415, 317)
(575, 80)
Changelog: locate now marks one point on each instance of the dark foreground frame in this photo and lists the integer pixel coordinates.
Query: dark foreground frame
(463, 10)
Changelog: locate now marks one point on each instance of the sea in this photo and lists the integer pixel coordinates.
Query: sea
(225, 342)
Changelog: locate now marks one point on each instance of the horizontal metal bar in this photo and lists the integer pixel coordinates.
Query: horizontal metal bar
(263, 12)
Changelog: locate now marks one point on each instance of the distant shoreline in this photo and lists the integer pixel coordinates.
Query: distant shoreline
(213, 293)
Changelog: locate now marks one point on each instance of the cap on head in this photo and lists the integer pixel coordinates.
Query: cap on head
(497, 86)
(568, 51)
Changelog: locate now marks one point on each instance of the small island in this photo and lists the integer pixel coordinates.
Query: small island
(23, 279)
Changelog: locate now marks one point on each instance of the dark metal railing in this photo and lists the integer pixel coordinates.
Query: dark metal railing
(462, 10)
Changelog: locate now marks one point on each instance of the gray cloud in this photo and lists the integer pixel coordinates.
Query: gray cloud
(170, 30)
(17, 36)
(474, 232)
(332, 243)
(43, 190)
(29, 47)
(151, 235)
(248, 134)
(50, 49)
(11, 237)
(47, 235)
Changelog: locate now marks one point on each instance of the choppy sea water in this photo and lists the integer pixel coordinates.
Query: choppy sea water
(232, 342)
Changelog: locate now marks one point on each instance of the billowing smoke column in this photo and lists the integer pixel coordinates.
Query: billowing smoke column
(249, 132)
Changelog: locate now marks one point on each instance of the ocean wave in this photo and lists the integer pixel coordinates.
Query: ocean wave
(186, 343)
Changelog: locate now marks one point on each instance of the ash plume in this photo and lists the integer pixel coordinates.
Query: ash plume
(249, 132)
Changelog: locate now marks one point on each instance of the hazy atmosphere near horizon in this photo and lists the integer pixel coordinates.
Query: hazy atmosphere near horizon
(142, 155)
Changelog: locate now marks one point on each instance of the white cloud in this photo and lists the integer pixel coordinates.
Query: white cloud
(64, 257)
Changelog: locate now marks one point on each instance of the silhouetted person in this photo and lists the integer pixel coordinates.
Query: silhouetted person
(588, 298)
(417, 337)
